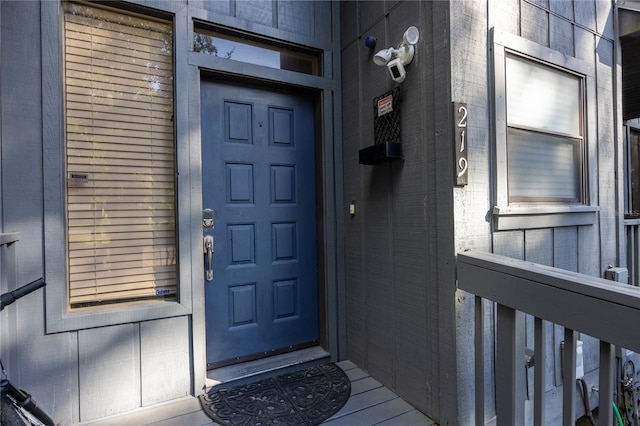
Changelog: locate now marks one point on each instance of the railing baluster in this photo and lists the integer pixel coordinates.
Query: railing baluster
(631, 247)
(631, 254)
(510, 371)
(606, 386)
(539, 379)
(635, 280)
(479, 361)
(569, 378)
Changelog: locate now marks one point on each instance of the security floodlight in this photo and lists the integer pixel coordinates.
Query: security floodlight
(382, 57)
(396, 59)
(405, 53)
(411, 36)
(406, 50)
(396, 70)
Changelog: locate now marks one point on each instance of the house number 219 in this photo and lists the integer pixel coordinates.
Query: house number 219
(460, 113)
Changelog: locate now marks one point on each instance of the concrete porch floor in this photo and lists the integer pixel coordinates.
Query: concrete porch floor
(370, 404)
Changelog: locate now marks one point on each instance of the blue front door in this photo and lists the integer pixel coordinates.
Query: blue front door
(258, 180)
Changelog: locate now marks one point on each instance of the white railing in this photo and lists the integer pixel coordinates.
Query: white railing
(549, 295)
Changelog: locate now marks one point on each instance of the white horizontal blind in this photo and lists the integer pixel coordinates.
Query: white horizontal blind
(542, 97)
(119, 156)
(543, 167)
(544, 132)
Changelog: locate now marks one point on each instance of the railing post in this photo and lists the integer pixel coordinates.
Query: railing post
(539, 379)
(479, 360)
(569, 378)
(510, 367)
(606, 385)
(633, 254)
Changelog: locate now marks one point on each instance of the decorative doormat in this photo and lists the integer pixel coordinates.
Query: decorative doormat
(304, 397)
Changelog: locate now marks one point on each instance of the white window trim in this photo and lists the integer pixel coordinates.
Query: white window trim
(507, 216)
(629, 126)
(59, 317)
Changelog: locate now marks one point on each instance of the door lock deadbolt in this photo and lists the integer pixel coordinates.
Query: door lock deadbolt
(208, 217)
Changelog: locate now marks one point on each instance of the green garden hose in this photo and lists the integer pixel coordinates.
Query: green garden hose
(615, 410)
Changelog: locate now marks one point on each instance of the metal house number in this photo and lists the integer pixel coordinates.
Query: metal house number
(460, 132)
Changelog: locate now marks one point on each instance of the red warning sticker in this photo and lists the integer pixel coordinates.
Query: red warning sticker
(385, 105)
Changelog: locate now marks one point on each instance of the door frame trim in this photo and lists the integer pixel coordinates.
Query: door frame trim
(331, 282)
(329, 89)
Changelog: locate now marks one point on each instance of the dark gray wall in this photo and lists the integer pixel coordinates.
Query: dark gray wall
(399, 243)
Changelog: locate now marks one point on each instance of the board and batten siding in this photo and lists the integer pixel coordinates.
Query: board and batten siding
(399, 242)
(410, 219)
(86, 371)
(581, 29)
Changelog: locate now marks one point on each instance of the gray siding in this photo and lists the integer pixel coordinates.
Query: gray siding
(22, 205)
(399, 242)
(582, 29)
(406, 323)
(410, 219)
(81, 372)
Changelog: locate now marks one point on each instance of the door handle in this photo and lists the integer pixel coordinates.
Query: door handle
(208, 261)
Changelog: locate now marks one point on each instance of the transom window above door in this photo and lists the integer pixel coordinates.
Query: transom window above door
(255, 51)
(541, 112)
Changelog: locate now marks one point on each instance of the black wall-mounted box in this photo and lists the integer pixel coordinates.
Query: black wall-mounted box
(386, 130)
(380, 152)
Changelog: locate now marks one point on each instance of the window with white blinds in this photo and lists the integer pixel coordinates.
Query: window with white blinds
(544, 111)
(120, 150)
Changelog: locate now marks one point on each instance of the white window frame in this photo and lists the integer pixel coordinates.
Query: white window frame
(59, 318)
(629, 127)
(540, 215)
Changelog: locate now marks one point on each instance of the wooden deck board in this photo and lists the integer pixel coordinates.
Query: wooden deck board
(373, 404)
(374, 414)
(184, 411)
(366, 400)
(413, 417)
(370, 404)
(364, 385)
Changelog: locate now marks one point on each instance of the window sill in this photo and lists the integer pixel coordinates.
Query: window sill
(123, 313)
(532, 217)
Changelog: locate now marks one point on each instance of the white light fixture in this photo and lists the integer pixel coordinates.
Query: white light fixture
(403, 55)
(382, 57)
(411, 36)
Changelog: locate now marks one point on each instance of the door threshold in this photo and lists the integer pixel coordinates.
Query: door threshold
(250, 371)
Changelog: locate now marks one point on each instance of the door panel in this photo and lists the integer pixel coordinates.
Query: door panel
(258, 175)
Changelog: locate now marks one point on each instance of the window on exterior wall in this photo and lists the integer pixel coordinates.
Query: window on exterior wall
(633, 141)
(541, 127)
(544, 133)
(119, 156)
(254, 52)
